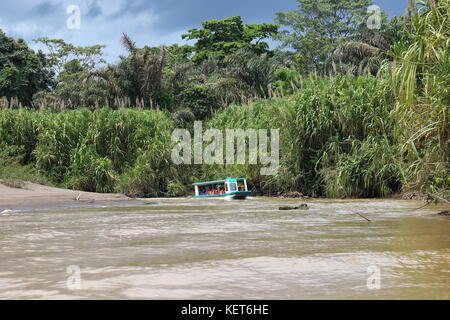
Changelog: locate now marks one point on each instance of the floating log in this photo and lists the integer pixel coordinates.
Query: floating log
(303, 206)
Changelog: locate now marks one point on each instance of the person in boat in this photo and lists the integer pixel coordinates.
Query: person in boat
(233, 188)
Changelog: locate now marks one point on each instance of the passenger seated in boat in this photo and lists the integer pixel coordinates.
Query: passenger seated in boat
(240, 189)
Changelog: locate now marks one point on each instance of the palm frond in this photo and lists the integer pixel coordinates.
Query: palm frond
(128, 43)
(355, 51)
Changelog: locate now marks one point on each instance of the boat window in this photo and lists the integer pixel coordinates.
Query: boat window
(203, 190)
(241, 185)
(233, 187)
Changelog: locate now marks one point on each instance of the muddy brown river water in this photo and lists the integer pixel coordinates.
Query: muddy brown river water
(219, 249)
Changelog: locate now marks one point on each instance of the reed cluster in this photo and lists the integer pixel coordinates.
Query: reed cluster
(102, 150)
(338, 138)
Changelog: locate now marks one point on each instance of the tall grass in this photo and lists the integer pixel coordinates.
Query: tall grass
(338, 138)
(94, 150)
(13, 173)
(421, 82)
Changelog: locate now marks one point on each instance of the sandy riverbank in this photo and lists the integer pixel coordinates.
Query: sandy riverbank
(33, 196)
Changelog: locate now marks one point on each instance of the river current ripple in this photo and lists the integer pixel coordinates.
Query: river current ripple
(219, 249)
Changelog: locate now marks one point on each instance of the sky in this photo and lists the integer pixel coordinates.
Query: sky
(148, 22)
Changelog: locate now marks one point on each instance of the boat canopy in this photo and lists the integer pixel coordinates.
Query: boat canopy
(235, 188)
(218, 181)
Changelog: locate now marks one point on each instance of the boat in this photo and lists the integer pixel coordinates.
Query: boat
(228, 188)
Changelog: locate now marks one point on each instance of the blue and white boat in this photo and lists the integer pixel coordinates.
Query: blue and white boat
(228, 188)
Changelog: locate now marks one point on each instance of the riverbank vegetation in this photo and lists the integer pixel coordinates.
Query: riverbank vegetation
(362, 112)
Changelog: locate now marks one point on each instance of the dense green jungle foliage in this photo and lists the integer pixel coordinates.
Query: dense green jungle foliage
(361, 112)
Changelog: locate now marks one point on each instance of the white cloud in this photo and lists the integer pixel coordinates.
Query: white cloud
(25, 28)
(48, 18)
(148, 22)
(109, 7)
(2, 27)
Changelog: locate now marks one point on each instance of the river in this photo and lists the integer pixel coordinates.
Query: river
(219, 249)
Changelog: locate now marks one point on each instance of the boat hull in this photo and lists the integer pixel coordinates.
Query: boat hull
(238, 195)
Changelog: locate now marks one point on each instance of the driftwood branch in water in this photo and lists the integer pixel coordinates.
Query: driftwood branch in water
(428, 203)
(359, 214)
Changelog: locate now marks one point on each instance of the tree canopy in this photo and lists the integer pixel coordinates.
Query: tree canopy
(315, 29)
(22, 71)
(219, 38)
(61, 52)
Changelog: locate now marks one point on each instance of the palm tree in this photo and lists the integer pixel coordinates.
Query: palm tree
(253, 70)
(143, 71)
(138, 78)
(368, 50)
(358, 57)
